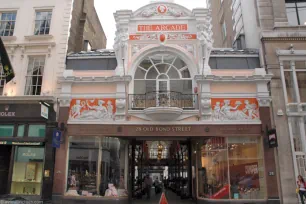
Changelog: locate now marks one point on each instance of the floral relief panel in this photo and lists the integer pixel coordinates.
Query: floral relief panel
(92, 109)
(235, 109)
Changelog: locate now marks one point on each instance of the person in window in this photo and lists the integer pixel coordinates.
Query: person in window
(302, 188)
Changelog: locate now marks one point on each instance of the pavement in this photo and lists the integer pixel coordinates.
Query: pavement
(172, 198)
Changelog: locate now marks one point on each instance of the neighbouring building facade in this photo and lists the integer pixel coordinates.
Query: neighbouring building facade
(164, 85)
(277, 28)
(36, 35)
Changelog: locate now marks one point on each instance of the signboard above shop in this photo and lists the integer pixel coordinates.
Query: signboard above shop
(163, 27)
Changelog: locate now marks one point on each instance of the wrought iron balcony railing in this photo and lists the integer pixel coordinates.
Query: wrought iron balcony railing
(163, 99)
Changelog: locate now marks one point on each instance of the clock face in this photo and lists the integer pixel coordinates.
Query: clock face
(162, 9)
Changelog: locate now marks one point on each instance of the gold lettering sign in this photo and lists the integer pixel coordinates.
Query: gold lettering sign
(164, 129)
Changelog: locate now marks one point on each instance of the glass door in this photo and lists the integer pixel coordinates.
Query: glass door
(162, 93)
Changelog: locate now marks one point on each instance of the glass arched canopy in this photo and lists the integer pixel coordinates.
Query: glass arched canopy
(162, 73)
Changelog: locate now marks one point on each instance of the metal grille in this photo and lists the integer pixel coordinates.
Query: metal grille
(7, 23)
(42, 22)
(34, 75)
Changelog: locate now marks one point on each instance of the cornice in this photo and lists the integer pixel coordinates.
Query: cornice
(91, 79)
(26, 99)
(214, 78)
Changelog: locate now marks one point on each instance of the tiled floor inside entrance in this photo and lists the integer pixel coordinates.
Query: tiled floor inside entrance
(172, 198)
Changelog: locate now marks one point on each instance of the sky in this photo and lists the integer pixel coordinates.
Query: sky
(105, 10)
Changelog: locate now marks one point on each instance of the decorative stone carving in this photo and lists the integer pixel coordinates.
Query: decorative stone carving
(137, 47)
(95, 109)
(120, 105)
(188, 47)
(235, 109)
(170, 36)
(120, 46)
(162, 10)
(264, 102)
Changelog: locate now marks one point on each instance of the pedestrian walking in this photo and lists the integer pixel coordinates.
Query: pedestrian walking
(301, 188)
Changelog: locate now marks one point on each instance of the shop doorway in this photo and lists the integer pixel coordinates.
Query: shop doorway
(161, 166)
(5, 157)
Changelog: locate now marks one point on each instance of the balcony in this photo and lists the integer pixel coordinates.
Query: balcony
(163, 106)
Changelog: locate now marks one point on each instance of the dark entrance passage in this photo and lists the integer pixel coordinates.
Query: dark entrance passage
(161, 166)
(5, 157)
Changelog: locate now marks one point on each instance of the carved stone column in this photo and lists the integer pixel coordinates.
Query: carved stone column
(121, 40)
(205, 40)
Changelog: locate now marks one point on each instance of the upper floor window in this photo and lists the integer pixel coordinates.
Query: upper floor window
(296, 12)
(294, 80)
(7, 23)
(42, 22)
(34, 75)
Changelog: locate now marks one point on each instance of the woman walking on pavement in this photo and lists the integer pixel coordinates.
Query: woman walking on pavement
(301, 188)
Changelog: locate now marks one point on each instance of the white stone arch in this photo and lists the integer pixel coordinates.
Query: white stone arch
(176, 6)
(171, 49)
(155, 49)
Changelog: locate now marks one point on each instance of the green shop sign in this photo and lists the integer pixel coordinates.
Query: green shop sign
(21, 143)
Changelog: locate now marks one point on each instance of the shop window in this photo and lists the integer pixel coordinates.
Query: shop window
(20, 131)
(27, 171)
(246, 168)
(6, 130)
(231, 169)
(97, 167)
(37, 131)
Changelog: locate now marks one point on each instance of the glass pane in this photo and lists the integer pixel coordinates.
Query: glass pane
(140, 74)
(296, 132)
(186, 74)
(162, 68)
(302, 15)
(163, 86)
(150, 86)
(290, 87)
(28, 171)
(6, 130)
(37, 131)
(20, 132)
(173, 73)
(301, 79)
(181, 86)
(146, 64)
(162, 76)
(246, 168)
(213, 169)
(152, 73)
(140, 87)
(97, 167)
(179, 63)
(292, 17)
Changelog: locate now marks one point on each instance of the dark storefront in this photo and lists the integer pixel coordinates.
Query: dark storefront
(26, 152)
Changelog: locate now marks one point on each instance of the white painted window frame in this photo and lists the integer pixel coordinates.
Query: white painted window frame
(3, 21)
(299, 113)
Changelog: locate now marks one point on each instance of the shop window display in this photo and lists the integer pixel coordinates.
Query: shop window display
(231, 168)
(6, 130)
(97, 167)
(27, 171)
